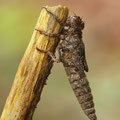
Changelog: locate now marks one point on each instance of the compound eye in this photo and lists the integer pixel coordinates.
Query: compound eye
(82, 25)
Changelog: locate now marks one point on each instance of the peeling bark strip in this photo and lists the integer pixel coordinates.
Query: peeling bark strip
(34, 67)
(72, 52)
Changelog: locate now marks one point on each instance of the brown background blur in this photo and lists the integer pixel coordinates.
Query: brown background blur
(102, 39)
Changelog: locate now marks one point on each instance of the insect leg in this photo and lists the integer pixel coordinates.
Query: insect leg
(54, 58)
(58, 20)
(47, 34)
(58, 52)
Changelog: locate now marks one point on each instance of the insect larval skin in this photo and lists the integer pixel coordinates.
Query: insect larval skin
(73, 58)
(72, 52)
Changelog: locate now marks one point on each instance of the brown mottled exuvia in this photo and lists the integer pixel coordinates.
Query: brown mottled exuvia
(71, 51)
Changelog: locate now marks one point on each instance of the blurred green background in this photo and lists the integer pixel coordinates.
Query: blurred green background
(101, 37)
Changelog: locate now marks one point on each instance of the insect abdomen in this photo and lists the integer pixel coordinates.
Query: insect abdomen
(82, 90)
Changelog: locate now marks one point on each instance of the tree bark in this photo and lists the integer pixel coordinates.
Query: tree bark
(34, 67)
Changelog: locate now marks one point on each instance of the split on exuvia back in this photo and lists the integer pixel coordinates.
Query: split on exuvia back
(71, 52)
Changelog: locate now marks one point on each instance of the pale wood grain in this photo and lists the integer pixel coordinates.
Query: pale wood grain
(34, 68)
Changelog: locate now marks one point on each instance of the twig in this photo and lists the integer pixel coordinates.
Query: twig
(34, 68)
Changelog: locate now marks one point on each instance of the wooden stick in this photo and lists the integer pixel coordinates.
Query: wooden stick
(34, 67)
